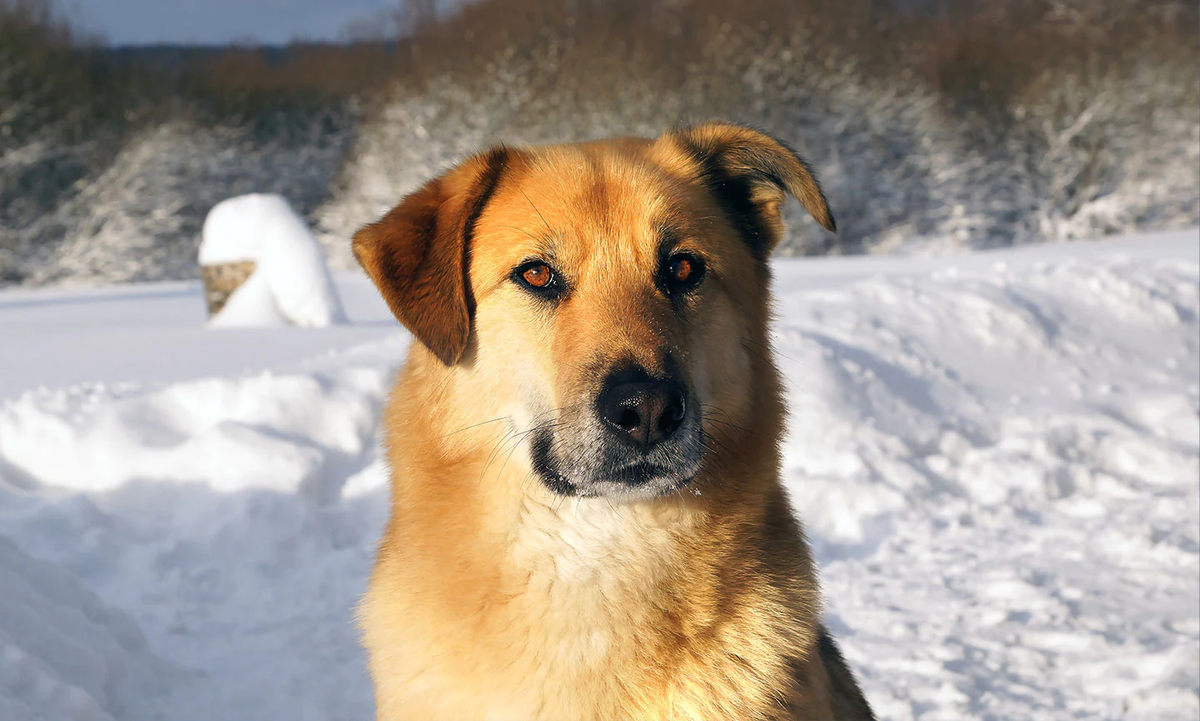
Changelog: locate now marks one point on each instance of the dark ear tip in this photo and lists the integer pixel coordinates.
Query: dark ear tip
(359, 242)
(448, 356)
(362, 245)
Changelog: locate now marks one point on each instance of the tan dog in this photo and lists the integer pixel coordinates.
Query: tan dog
(587, 519)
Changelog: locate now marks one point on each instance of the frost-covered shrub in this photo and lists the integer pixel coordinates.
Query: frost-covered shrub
(933, 124)
(140, 219)
(109, 160)
(62, 111)
(1016, 121)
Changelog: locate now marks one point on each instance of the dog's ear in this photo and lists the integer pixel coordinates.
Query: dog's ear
(418, 254)
(749, 172)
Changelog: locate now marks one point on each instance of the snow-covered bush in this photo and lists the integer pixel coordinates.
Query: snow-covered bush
(141, 218)
(109, 160)
(62, 110)
(1023, 121)
(933, 125)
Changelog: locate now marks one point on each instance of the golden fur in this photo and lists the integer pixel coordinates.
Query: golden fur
(496, 597)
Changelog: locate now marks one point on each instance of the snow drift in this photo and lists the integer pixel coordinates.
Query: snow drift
(995, 456)
(64, 656)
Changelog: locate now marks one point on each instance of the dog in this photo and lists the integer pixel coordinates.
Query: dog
(587, 520)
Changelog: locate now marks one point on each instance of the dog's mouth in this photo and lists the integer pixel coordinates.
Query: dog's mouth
(615, 472)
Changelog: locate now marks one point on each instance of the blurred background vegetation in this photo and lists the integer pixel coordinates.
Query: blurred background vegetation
(935, 124)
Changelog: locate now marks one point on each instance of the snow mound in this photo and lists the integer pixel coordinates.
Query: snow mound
(997, 461)
(236, 518)
(291, 282)
(64, 656)
(269, 431)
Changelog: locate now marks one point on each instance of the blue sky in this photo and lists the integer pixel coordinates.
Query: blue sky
(140, 22)
(218, 22)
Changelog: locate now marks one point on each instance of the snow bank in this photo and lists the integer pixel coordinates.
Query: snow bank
(64, 656)
(995, 456)
(235, 519)
(269, 431)
(290, 283)
(998, 463)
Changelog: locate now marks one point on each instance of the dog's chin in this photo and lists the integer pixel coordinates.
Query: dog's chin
(636, 481)
(655, 486)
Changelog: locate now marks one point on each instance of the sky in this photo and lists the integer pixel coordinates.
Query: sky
(221, 22)
(216, 22)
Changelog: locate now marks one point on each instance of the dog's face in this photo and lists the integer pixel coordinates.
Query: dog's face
(610, 297)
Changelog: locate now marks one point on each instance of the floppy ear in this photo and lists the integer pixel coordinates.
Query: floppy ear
(418, 254)
(750, 172)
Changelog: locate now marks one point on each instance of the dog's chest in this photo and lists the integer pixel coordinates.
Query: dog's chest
(603, 623)
(582, 541)
(585, 579)
(597, 613)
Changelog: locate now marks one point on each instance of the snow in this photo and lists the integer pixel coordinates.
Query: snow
(63, 655)
(998, 461)
(154, 333)
(995, 455)
(290, 282)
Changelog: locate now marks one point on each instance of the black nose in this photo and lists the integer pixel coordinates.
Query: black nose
(641, 409)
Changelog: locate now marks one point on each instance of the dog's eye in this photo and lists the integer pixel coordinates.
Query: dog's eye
(682, 272)
(681, 269)
(538, 277)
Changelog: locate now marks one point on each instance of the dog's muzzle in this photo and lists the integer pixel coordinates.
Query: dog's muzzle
(642, 439)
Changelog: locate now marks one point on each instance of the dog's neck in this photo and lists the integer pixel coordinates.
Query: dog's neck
(578, 540)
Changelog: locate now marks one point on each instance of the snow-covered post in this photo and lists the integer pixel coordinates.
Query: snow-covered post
(261, 266)
(221, 279)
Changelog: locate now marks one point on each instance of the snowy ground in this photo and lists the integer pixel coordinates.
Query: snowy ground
(996, 456)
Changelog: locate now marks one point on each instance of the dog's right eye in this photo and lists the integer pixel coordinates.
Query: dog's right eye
(680, 273)
(538, 278)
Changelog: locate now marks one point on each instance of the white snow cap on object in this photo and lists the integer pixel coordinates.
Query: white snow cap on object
(252, 305)
(290, 283)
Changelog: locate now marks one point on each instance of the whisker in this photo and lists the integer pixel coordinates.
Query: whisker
(473, 425)
(754, 352)
(708, 411)
(496, 449)
(720, 444)
(517, 444)
(526, 232)
(733, 426)
(535, 209)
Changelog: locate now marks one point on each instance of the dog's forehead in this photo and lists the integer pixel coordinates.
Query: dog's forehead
(601, 183)
(590, 196)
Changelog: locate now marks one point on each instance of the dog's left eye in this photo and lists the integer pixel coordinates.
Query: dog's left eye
(539, 278)
(681, 272)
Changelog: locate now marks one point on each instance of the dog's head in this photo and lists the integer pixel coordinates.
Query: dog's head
(609, 298)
